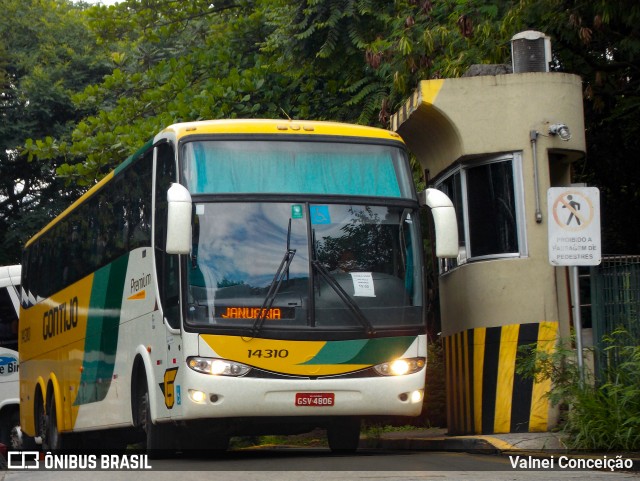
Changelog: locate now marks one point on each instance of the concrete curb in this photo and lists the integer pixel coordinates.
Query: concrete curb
(472, 444)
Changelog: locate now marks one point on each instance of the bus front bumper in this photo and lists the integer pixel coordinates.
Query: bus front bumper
(207, 396)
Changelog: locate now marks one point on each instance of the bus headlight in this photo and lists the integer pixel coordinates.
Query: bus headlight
(400, 367)
(217, 367)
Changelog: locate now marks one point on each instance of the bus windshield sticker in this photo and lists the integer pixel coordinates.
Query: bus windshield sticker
(199, 209)
(296, 211)
(363, 284)
(320, 214)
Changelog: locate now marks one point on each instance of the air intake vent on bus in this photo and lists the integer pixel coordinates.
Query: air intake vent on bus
(530, 52)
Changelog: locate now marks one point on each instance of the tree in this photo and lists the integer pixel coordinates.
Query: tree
(600, 41)
(198, 62)
(350, 61)
(47, 51)
(366, 56)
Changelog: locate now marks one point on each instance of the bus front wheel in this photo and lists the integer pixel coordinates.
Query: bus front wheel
(158, 438)
(199, 441)
(343, 435)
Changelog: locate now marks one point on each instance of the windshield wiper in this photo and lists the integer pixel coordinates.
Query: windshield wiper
(346, 298)
(274, 288)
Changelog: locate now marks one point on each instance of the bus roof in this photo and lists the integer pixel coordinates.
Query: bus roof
(274, 126)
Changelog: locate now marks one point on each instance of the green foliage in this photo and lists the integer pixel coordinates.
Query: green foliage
(376, 51)
(373, 432)
(47, 51)
(434, 410)
(194, 66)
(604, 415)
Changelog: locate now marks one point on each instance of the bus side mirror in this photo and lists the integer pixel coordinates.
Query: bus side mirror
(178, 220)
(444, 219)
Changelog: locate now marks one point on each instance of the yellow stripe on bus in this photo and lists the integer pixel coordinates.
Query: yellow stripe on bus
(278, 127)
(138, 296)
(71, 208)
(281, 356)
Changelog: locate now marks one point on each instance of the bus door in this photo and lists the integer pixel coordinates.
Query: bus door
(168, 272)
(171, 388)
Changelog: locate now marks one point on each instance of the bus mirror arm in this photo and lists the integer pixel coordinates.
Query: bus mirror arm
(178, 220)
(444, 220)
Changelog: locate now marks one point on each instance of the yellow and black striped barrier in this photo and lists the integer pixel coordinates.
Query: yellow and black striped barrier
(484, 393)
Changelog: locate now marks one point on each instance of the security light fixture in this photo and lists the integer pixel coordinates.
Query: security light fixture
(561, 130)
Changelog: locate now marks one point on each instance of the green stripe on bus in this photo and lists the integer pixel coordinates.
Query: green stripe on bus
(102, 332)
(362, 351)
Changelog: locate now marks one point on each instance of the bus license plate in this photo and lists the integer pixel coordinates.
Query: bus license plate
(315, 399)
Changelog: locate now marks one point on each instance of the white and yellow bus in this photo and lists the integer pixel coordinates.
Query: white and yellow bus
(231, 278)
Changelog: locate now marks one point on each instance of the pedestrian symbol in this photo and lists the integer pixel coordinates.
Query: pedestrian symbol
(573, 207)
(573, 210)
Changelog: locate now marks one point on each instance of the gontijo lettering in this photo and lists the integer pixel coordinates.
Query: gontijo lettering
(59, 319)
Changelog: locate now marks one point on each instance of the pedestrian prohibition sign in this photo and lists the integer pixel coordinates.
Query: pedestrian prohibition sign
(574, 226)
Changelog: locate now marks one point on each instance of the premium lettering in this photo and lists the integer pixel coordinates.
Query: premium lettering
(141, 283)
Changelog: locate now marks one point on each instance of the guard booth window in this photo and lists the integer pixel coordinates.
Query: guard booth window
(487, 196)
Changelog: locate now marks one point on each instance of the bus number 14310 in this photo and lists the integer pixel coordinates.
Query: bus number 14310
(268, 353)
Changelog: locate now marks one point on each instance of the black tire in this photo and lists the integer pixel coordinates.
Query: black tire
(41, 421)
(52, 439)
(211, 443)
(158, 438)
(343, 435)
(10, 419)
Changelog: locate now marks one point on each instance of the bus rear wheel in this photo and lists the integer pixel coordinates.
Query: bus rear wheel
(52, 439)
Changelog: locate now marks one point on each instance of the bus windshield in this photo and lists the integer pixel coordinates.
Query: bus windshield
(294, 167)
(366, 252)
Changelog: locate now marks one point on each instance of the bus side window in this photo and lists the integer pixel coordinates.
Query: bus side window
(167, 265)
(8, 321)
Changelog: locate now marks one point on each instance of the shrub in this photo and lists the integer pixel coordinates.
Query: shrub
(602, 414)
(434, 411)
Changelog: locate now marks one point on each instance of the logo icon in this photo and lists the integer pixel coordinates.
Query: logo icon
(23, 460)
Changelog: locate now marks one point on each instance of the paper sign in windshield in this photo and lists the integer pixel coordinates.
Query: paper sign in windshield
(363, 284)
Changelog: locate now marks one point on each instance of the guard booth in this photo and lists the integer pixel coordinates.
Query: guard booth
(495, 143)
